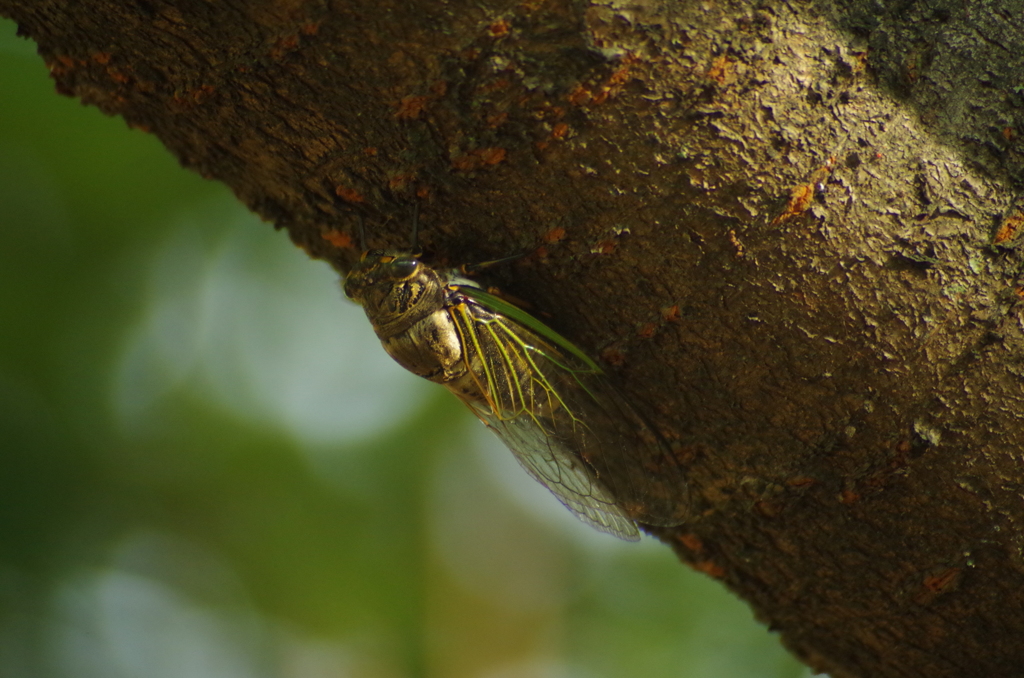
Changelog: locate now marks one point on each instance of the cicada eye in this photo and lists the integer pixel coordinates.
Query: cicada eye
(403, 269)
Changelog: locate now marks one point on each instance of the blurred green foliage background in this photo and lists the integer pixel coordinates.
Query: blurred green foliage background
(209, 467)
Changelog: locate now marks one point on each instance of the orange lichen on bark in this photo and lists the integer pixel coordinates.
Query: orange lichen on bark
(122, 79)
(283, 45)
(646, 330)
(479, 158)
(579, 95)
(493, 86)
(801, 481)
(721, 70)
(496, 119)
(556, 234)
(410, 107)
(499, 28)
(61, 64)
(1008, 229)
(691, 541)
(800, 197)
(398, 182)
(600, 92)
(799, 200)
(709, 568)
(935, 585)
(943, 581)
(492, 156)
(184, 98)
(848, 497)
(338, 239)
(348, 194)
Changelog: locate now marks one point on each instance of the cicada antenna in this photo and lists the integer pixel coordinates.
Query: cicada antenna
(362, 232)
(414, 245)
(473, 269)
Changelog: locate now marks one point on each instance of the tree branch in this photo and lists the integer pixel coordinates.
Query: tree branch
(774, 224)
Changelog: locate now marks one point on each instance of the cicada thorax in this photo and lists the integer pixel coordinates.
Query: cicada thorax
(405, 303)
(433, 329)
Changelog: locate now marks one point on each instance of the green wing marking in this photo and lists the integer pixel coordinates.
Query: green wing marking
(499, 305)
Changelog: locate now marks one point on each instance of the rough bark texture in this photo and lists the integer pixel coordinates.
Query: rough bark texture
(789, 229)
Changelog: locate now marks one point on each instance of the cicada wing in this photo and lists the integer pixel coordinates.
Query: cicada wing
(633, 461)
(566, 425)
(554, 465)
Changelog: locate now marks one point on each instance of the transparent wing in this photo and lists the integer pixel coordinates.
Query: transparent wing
(553, 465)
(565, 424)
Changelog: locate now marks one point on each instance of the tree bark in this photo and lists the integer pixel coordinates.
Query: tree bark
(789, 230)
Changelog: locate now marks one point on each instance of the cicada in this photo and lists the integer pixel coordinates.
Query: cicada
(544, 397)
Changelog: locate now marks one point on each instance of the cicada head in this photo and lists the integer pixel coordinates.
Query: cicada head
(395, 289)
